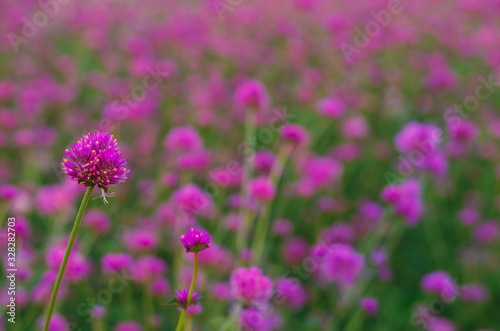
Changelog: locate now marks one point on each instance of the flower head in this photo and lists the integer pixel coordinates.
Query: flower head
(195, 240)
(369, 306)
(181, 298)
(95, 159)
(250, 285)
(251, 95)
(440, 284)
(295, 134)
(343, 265)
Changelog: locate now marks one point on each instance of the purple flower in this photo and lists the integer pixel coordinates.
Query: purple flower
(57, 323)
(295, 134)
(486, 233)
(331, 107)
(95, 159)
(128, 326)
(98, 311)
(77, 268)
(195, 240)
(252, 319)
(112, 263)
(342, 264)
(250, 285)
(97, 222)
(262, 188)
(159, 287)
(251, 95)
(148, 268)
(440, 324)
(291, 292)
(140, 240)
(192, 200)
(474, 293)
(369, 306)
(282, 227)
(440, 284)
(406, 200)
(181, 297)
(294, 251)
(418, 137)
(184, 138)
(221, 291)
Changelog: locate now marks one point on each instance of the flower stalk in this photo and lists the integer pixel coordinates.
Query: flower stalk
(264, 218)
(83, 206)
(250, 125)
(190, 294)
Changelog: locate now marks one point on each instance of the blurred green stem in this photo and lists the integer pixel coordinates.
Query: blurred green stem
(189, 324)
(71, 241)
(250, 125)
(264, 217)
(97, 324)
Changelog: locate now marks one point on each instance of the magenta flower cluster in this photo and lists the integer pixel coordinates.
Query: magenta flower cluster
(195, 240)
(95, 159)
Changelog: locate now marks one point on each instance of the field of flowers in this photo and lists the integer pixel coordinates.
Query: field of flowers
(250, 165)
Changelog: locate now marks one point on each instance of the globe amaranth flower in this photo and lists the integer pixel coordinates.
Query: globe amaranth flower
(95, 159)
(181, 298)
(369, 306)
(440, 284)
(195, 240)
(250, 285)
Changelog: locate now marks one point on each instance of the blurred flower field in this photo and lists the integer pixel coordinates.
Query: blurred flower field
(250, 165)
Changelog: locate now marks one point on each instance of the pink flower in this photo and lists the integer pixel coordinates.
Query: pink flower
(222, 291)
(128, 326)
(418, 137)
(183, 139)
(140, 240)
(195, 240)
(294, 251)
(474, 293)
(282, 227)
(251, 95)
(342, 264)
(250, 285)
(116, 263)
(192, 200)
(486, 233)
(181, 296)
(355, 127)
(440, 284)
(95, 159)
(331, 107)
(294, 134)
(406, 200)
(148, 268)
(57, 323)
(77, 269)
(369, 306)
(252, 319)
(262, 189)
(97, 222)
(291, 292)
(159, 287)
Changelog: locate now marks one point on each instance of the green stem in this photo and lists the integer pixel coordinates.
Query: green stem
(181, 320)
(189, 324)
(71, 241)
(250, 125)
(190, 294)
(193, 281)
(264, 217)
(97, 325)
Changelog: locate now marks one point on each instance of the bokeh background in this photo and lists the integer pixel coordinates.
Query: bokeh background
(391, 109)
